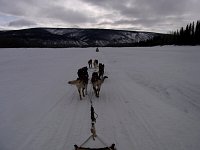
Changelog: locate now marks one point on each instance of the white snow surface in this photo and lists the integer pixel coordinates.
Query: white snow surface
(150, 101)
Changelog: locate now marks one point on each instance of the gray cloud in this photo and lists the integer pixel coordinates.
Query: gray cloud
(136, 7)
(65, 15)
(22, 23)
(151, 15)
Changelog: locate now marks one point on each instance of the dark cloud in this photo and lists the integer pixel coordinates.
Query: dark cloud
(11, 8)
(159, 15)
(65, 15)
(144, 9)
(138, 8)
(150, 13)
(44, 10)
(22, 23)
(161, 8)
(103, 3)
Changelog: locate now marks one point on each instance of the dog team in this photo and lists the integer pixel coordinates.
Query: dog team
(83, 77)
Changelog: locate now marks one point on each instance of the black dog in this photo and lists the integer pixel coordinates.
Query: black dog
(95, 64)
(90, 63)
(83, 75)
(101, 70)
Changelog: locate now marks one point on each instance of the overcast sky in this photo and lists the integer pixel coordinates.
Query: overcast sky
(141, 15)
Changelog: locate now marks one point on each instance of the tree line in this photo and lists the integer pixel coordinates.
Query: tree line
(190, 35)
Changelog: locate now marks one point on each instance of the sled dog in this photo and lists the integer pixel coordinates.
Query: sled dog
(83, 75)
(90, 63)
(97, 82)
(81, 86)
(95, 64)
(101, 70)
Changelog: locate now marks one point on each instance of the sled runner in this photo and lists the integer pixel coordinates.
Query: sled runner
(112, 147)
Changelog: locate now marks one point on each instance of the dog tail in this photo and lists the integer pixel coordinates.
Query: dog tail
(104, 77)
(72, 82)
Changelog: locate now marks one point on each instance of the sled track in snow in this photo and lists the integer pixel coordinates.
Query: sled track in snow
(49, 129)
(150, 100)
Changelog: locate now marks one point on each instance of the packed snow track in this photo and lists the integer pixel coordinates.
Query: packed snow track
(150, 100)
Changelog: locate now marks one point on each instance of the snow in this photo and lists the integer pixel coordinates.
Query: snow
(60, 31)
(150, 101)
(122, 37)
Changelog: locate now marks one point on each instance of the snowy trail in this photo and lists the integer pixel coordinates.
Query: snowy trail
(149, 121)
(149, 101)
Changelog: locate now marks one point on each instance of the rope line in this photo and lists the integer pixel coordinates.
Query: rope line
(93, 121)
(102, 141)
(86, 141)
(91, 94)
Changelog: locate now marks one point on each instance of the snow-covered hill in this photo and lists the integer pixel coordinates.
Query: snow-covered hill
(104, 35)
(150, 100)
(71, 37)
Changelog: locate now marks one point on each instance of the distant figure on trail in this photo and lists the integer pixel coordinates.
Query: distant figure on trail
(97, 49)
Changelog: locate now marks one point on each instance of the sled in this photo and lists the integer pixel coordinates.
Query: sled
(112, 147)
(94, 135)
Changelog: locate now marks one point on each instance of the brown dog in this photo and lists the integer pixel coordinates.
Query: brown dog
(97, 82)
(81, 86)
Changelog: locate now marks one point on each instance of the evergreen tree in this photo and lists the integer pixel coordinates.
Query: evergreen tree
(197, 32)
(192, 34)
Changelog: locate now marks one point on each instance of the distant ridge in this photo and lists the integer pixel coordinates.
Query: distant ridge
(72, 37)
